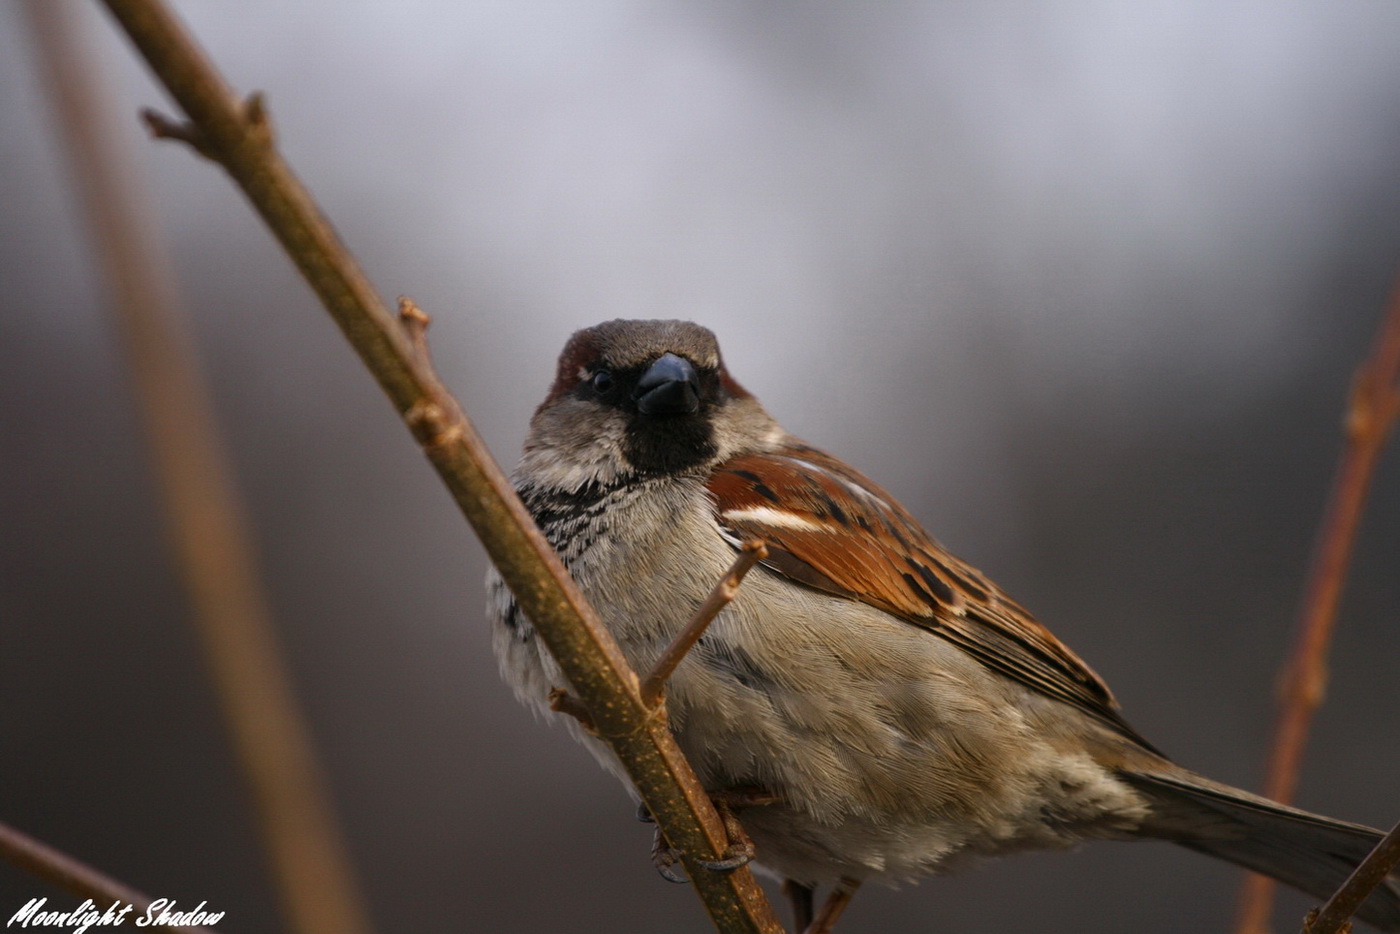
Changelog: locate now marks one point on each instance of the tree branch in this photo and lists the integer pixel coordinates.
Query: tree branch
(204, 518)
(1334, 917)
(589, 657)
(79, 878)
(1371, 414)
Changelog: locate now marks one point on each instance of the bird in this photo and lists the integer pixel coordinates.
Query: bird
(901, 714)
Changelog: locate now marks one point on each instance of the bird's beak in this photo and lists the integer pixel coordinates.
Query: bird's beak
(670, 386)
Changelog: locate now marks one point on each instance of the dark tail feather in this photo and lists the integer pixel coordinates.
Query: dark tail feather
(1312, 853)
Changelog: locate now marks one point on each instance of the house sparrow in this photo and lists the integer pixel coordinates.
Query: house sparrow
(907, 715)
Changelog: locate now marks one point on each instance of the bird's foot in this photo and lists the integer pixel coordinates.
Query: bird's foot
(740, 851)
(666, 858)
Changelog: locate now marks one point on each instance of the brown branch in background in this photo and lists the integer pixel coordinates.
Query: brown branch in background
(82, 880)
(719, 598)
(1334, 917)
(204, 517)
(1371, 413)
(585, 650)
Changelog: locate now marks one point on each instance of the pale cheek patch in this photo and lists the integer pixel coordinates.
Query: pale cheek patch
(766, 515)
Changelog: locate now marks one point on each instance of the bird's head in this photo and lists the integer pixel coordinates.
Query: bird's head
(640, 399)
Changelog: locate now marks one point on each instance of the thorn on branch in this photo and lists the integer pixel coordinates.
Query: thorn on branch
(415, 322)
(561, 701)
(751, 553)
(435, 419)
(258, 120)
(257, 127)
(433, 425)
(163, 127)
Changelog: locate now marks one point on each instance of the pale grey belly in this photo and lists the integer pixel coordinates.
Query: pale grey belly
(894, 754)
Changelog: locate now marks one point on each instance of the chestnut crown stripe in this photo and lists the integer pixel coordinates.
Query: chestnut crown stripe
(832, 529)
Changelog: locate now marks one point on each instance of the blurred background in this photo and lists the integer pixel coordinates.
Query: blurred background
(1083, 284)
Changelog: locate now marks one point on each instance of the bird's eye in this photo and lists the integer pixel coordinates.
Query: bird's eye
(602, 381)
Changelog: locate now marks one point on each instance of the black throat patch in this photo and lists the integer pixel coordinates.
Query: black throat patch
(668, 444)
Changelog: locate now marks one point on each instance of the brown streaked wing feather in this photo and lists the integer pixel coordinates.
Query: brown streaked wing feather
(831, 528)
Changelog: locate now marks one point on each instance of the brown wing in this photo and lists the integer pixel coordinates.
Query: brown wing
(831, 528)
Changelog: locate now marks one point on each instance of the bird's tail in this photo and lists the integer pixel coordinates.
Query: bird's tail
(1312, 853)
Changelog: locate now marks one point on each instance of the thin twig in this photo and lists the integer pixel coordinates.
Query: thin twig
(719, 598)
(586, 652)
(1335, 915)
(832, 908)
(1371, 414)
(81, 879)
(204, 517)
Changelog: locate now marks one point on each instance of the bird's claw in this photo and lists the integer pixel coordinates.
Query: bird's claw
(740, 851)
(666, 858)
(736, 855)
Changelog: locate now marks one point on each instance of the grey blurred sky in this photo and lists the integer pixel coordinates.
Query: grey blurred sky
(1082, 282)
